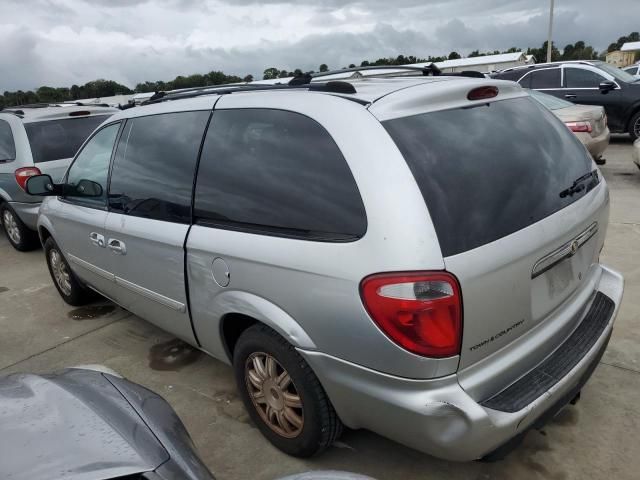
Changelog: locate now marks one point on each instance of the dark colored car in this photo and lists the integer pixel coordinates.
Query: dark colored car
(587, 83)
(85, 424)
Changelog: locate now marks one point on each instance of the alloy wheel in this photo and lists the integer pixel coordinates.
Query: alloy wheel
(274, 395)
(11, 226)
(60, 272)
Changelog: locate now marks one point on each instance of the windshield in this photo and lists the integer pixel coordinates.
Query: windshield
(488, 171)
(617, 73)
(57, 139)
(549, 101)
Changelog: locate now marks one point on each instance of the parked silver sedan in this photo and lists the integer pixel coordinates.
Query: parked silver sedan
(587, 122)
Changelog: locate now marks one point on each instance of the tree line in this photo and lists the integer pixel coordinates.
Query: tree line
(107, 88)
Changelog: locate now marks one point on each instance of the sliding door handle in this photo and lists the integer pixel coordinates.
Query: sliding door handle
(116, 246)
(97, 239)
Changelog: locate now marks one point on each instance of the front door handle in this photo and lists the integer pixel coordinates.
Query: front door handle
(97, 239)
(117, 246)
(569, 96)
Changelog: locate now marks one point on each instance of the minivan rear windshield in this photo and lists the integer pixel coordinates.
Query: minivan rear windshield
(491, 170)
(57, 139)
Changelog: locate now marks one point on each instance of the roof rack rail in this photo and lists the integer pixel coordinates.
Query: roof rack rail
(33, 105)
(431, 69)
(336, 87)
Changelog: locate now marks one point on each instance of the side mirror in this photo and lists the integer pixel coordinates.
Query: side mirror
(607, 86)
(42, 186)
(85, 188)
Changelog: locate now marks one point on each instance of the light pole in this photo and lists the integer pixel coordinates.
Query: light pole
(549, 42)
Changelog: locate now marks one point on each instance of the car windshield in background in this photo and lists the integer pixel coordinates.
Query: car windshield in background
(617, 73)
(491, 170)
(57, 139)
(549, 101)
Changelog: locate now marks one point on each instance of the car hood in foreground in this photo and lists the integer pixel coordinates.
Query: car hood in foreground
(75, 425)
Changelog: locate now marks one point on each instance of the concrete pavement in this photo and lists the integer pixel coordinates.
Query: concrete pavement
(598, 438)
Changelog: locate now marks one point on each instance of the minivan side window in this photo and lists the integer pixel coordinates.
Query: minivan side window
(581, 78)
(92, 165)
(154, 166)
(7, 144)
(277, 173)
(546, 78)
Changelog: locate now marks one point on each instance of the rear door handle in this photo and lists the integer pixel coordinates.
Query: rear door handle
(117, 246)
(97, 239)
(569, 96)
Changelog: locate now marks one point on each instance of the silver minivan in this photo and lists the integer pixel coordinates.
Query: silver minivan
(417, 256)
(34, 139)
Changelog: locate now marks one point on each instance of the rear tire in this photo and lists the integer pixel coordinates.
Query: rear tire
(20, 236)
(67, 284)
(634, 126)
(282, 394)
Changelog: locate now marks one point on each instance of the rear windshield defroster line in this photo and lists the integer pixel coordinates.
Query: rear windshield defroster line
(489, 171)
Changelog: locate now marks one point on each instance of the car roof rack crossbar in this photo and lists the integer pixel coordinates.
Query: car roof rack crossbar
(431, 69)
(336, 87)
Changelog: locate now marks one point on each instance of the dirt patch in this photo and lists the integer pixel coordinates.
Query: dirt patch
(91, 312)
(172, 355)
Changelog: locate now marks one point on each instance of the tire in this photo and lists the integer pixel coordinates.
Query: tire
(634, 126)
(67, 284)
(20, 236)
(320, 425)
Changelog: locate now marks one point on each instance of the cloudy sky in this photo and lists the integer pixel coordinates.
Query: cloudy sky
(61, 42)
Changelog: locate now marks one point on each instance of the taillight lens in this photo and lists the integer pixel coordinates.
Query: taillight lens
(23, 174)
(482, 93)
(421, 312)
(579, 126)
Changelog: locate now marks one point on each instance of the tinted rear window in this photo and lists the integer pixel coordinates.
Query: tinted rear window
(57, 139)
(488, 171)
(547, 78)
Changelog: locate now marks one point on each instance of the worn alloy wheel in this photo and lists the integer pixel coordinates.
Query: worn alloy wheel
(68, 286)
(274, 395)
(11, 226)
(282, 395)
(60, 272)
(634, 126)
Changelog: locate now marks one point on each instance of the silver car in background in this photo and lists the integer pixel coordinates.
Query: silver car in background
(587, 122)
(36, 139)
(417, 256)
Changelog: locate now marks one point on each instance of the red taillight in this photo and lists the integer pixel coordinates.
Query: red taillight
(421, 312)
(579, 126)
(482, 93)
(23, 174)
(79, 113)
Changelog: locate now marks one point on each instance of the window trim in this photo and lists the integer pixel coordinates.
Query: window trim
(81, 203)
(268, 230)
(5, 161)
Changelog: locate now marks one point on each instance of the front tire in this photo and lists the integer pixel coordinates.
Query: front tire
(282, 394)
(634, 126)
(20, 236)
(67, 284)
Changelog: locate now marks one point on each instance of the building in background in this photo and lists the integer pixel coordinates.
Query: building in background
(625, 56)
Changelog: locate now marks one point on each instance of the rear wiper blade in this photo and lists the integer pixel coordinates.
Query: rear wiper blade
(578, 184)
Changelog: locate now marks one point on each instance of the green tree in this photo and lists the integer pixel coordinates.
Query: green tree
(271, 73)
(454, 56)
(323, 68)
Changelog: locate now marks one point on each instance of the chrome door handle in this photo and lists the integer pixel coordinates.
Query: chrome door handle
(117, 246)
(97, 239)
(569, 96)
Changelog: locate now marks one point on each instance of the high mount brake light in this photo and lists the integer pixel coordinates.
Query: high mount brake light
(482, 93)
(421, 312)
(23, 174)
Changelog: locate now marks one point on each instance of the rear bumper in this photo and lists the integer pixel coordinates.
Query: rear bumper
(438, 416)
(28, 213)
(595, 145)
